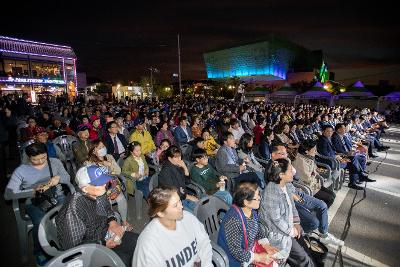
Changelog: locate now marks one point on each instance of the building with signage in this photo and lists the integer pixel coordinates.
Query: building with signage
(36, 68)
(267, 61)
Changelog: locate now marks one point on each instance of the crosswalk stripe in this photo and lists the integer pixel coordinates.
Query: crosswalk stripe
(394, 165)
(365, 259)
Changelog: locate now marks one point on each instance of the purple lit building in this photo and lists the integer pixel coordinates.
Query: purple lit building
(36, 68)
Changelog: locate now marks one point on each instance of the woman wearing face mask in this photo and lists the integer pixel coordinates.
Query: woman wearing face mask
(98, 156)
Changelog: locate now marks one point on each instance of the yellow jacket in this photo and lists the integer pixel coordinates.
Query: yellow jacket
(210, 146)
(145, 140)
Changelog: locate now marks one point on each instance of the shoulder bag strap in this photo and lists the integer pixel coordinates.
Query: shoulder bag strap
(243, 225)
(50, 168)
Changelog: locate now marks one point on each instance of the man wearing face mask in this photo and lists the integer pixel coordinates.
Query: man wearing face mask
(87, 216)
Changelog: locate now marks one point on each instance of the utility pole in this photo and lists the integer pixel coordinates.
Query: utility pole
(151, 79)
(179, 71)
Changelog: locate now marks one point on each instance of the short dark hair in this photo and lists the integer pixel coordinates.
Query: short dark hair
(233, 121)
(165, 141)
(109, 124)
(339, 125)
(275, 168)
(225, 136)
(326, 127)
(260, 119)
(199, 153)
(206, 129)
(30, 118)
(244, 191)
(35, 149)
(267, 132)
(275, 146)
(172, 151)
(306, 145)
(198, 140)
(279, 128)
(183, 118)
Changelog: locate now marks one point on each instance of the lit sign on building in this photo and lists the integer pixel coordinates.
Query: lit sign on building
(31, 80)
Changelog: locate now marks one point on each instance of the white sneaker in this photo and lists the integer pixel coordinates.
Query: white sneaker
(330, 239)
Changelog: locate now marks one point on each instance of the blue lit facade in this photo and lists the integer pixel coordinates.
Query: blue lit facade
(264, 59)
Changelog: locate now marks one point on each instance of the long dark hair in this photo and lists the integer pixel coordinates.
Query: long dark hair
(92, 157)
(244, 142)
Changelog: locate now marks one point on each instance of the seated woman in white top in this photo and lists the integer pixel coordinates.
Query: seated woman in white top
(173, 237)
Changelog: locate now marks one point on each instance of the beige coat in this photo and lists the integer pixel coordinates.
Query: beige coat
(307, 171)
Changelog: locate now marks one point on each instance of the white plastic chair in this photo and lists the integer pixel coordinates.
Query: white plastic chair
(87, 255)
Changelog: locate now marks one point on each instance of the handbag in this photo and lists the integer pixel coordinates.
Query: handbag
(317, 250)
(114, 188)
(47, 199)
(257, 247)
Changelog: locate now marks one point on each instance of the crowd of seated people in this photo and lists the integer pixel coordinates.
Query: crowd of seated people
(246, 155)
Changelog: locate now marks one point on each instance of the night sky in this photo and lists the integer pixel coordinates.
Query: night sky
(119, 42)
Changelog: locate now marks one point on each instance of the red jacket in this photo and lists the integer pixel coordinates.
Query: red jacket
(258, 132)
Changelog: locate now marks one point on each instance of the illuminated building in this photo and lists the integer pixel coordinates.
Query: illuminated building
(269, 60)
(36, 68)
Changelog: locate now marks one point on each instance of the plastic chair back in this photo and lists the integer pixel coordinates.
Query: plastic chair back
(208, 210)
(153, 182)
(48, 233)
(186, 151)
(64, 142)
(87, 255)
(120, 162)
(24, 226)
(219, 257)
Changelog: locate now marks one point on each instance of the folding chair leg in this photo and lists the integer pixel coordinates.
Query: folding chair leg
(138, 203)
(23, 235)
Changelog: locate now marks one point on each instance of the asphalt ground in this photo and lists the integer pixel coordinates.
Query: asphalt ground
(370, 223)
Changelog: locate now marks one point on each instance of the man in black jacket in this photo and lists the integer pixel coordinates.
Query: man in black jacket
(115, 142)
